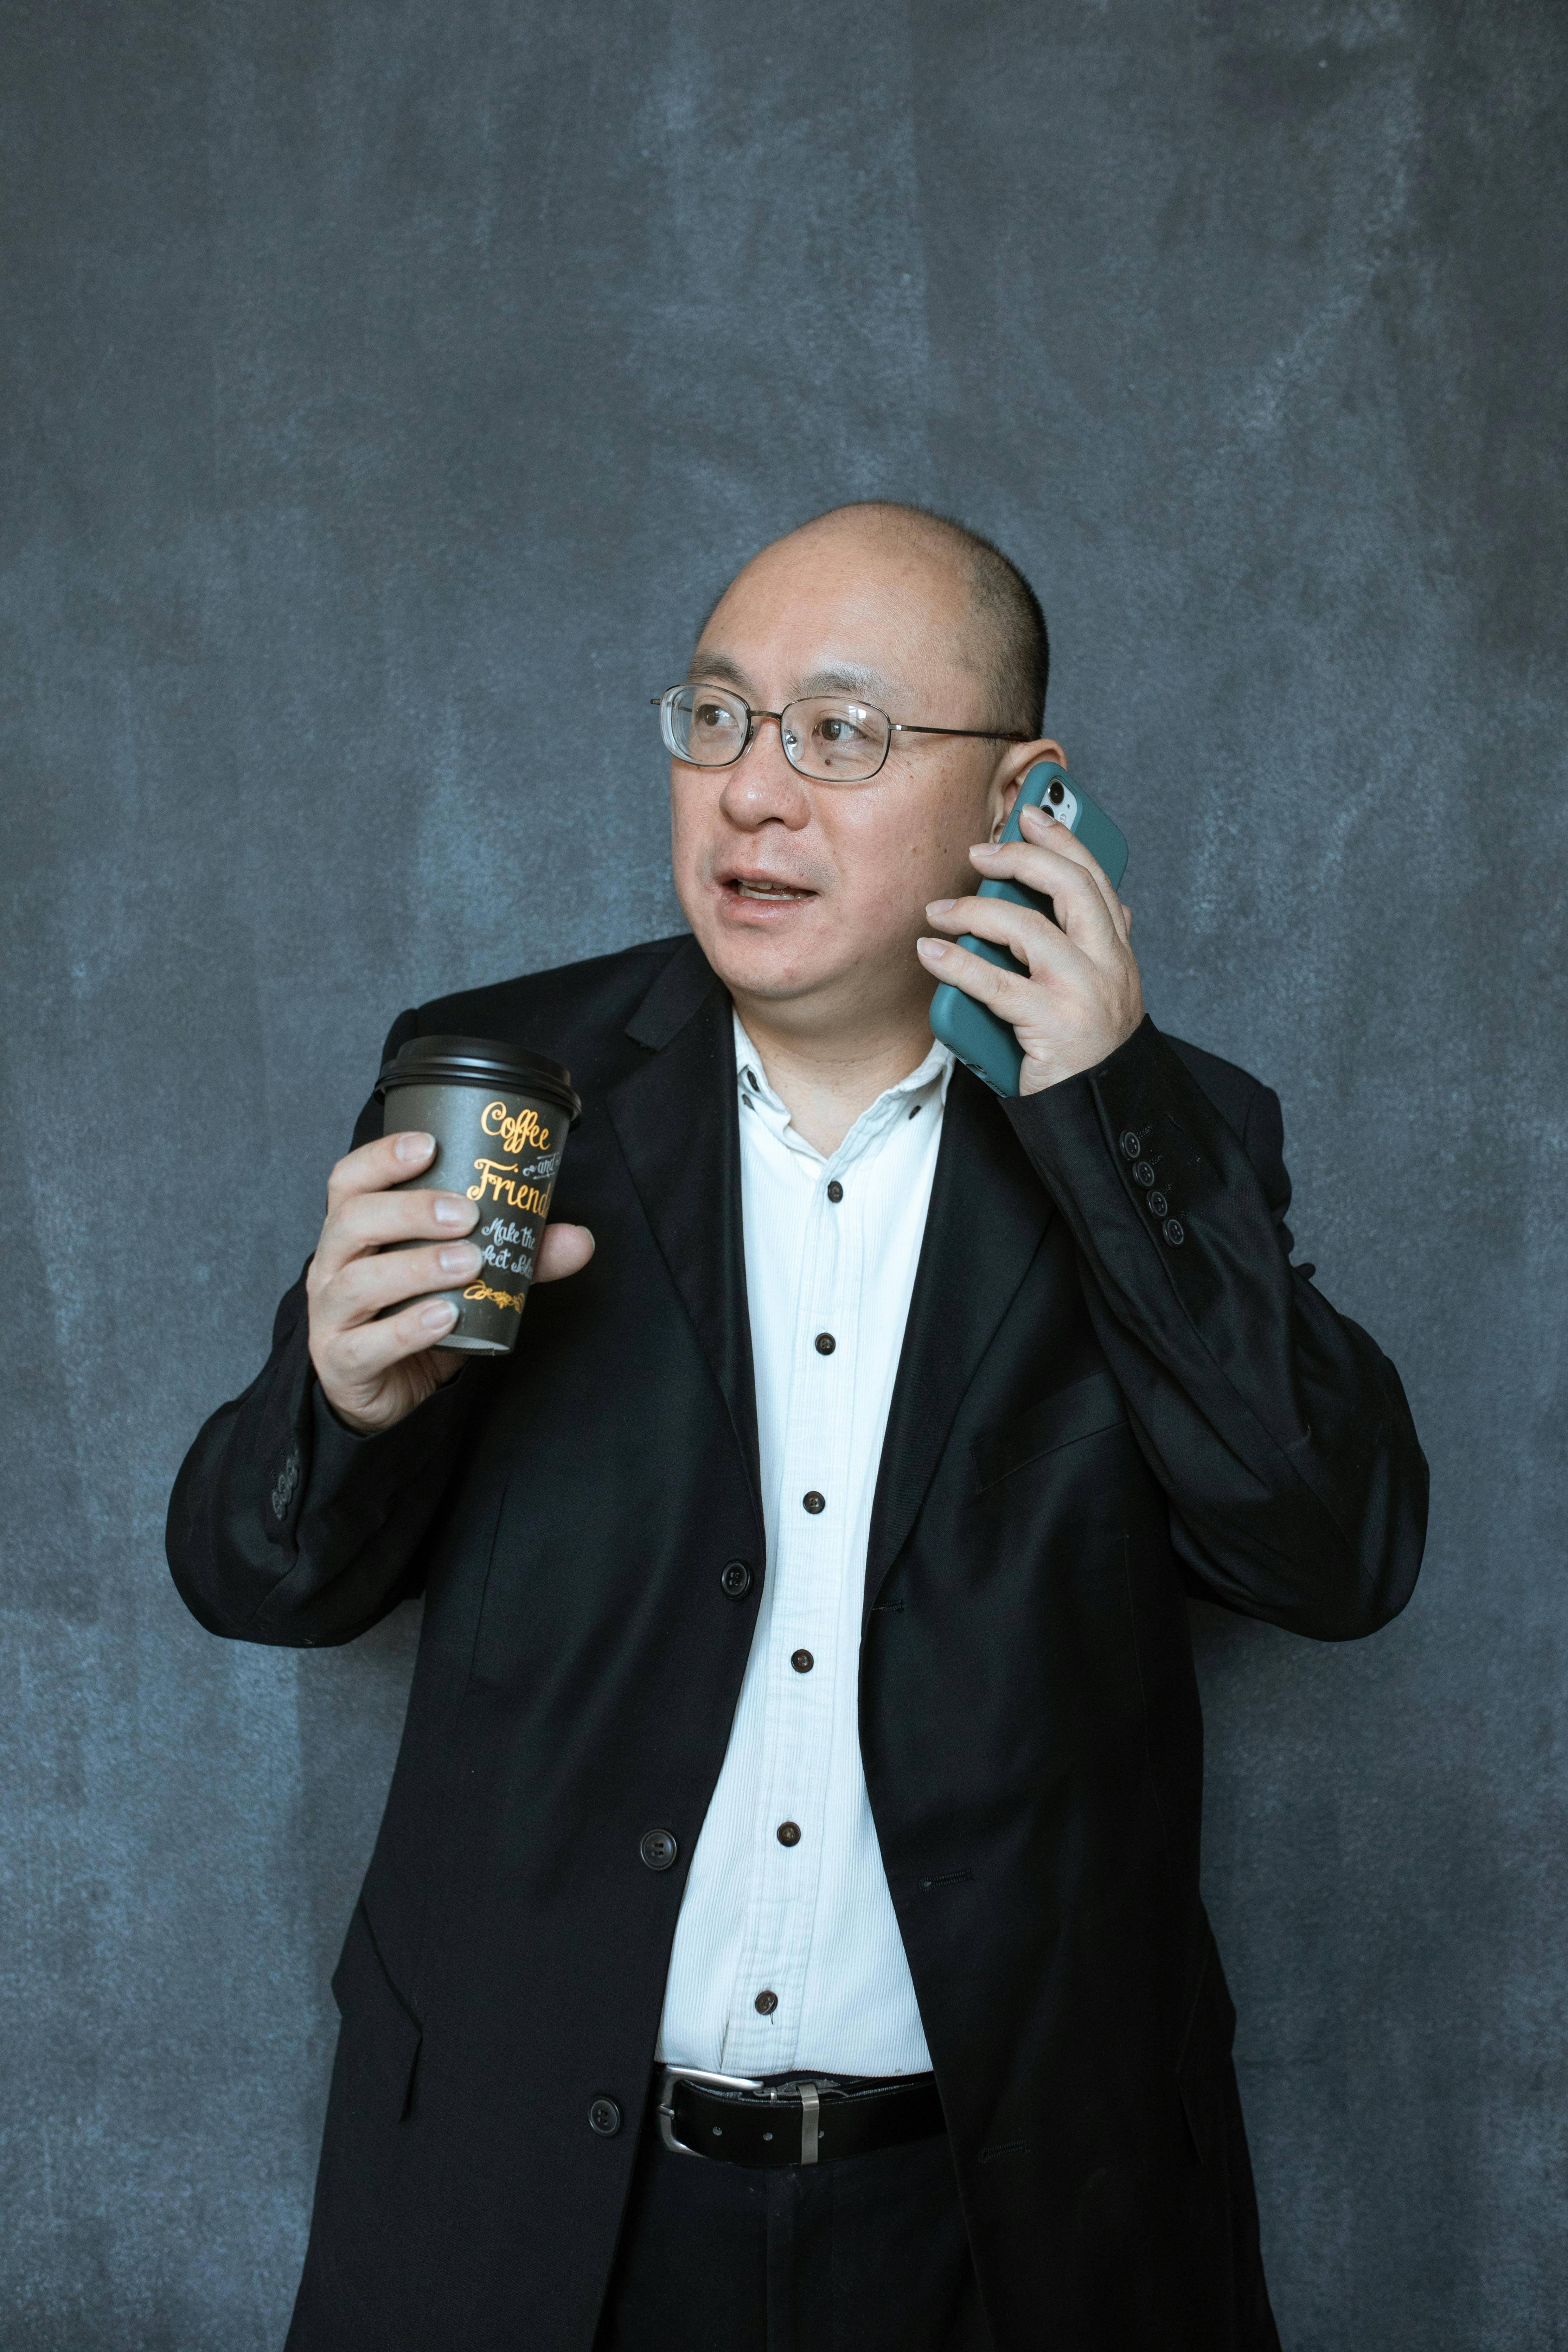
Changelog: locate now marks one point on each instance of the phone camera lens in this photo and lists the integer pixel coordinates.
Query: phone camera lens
(1054, 790)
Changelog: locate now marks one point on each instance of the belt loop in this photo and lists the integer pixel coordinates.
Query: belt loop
(810, 2113)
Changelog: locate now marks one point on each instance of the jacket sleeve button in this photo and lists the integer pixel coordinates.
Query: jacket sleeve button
(658, 1849)
(1175, 1232)
(1133, 1144)
(1158, 1204)
(1143, 1173)
(605, 2117)
(736, 1579)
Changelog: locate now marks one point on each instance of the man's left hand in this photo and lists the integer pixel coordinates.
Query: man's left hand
(1082, 997)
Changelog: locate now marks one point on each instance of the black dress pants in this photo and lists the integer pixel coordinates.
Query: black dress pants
(867, 2254)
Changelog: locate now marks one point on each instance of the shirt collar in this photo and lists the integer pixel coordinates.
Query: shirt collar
(923, 1089)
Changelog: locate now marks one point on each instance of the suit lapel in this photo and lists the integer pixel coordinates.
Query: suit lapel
(988, 1212)
(675, 1117)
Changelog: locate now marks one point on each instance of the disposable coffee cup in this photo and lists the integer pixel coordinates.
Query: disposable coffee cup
(500, 1116)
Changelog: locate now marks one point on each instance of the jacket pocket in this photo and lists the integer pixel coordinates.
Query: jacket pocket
(1206, 2053)
(1080, 1410)
(381, 2035)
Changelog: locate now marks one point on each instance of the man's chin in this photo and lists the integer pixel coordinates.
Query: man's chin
(767, 963)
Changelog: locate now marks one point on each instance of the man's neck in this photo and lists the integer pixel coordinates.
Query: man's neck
(826, 1082)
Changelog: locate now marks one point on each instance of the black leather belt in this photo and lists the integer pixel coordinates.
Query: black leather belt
(794, 2119)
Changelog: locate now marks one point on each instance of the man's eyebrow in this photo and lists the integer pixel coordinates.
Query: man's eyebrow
(843, 677)
(720, 668)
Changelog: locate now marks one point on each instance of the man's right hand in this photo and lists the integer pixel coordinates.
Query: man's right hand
(373, 1372)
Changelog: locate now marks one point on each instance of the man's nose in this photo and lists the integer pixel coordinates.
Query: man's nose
(762, 785)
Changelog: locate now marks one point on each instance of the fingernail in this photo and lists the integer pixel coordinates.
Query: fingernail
(933, 950)
(438, 1316)
(940, 905)
(450, 1211)
(459, 1257)
(983, 849)
(415, 1146)
(1040, 816)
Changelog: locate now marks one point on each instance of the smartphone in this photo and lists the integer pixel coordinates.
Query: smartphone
(983, 1043)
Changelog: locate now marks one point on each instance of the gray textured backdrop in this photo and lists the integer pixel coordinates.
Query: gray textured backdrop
(389, 387)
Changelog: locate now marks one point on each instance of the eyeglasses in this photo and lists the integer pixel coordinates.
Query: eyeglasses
(830, 738)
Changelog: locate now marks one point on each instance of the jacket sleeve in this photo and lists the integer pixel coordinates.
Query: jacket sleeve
(286, 1527)
(1279, 1430)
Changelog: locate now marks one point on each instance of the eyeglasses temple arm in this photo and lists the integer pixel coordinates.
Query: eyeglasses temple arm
(981, 734)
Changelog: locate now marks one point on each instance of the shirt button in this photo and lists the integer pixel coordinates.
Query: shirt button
(1144, 1172)
(1158, 1204)
(814, 1502)
(1175, 1232)
(658, 1849)
(826, 1343)
(736, 1579)
(836, 1191)
(1133, 1144)
(605, 2117)
(765, 2003)
(788, 1833)
(802, 1660)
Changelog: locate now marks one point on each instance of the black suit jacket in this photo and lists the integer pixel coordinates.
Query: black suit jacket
(1091, 1417)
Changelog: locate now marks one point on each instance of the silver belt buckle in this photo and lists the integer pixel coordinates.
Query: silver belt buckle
(665, 2108)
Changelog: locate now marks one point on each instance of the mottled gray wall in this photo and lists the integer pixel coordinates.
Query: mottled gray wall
(388, 386)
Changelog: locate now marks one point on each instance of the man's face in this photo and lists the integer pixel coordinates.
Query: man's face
(814, 893)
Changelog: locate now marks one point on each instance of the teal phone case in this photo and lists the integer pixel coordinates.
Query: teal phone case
(983, 1043)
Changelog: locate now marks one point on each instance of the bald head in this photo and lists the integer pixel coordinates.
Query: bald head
(1003, 638)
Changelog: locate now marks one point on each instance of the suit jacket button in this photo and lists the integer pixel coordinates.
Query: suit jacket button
(605, 2117)
(736, 1579)
(1158, 1204)
(1175, 1232)
(1133, 1144)
(658, 1848)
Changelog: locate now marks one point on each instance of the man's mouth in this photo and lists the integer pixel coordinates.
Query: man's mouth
(775, 893)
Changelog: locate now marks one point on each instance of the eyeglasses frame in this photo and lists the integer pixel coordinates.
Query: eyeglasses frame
(894, 727)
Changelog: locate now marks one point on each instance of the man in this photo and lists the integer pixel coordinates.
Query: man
(804, 1699)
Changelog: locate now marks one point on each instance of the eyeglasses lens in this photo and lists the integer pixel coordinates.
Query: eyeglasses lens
(837, 742)
(827, 737)
(705, 725)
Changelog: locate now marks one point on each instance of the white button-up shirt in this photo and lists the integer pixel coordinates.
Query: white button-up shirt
(787, 1951)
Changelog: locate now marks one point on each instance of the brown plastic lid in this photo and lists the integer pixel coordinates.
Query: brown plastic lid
(480, 1062)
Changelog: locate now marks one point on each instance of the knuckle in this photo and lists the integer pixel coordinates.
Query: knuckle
(340, 1221)
(353, 1281)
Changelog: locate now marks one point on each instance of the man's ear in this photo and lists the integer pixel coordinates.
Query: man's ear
(1011, 772)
